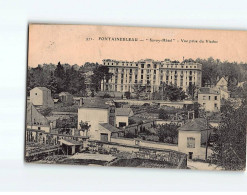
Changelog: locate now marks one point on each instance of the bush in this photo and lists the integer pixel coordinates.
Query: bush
(130, 135)
(127, 94)
(106, 95)
(163, 114)
(132, 121)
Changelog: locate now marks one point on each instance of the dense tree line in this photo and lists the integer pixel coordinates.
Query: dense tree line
(64, 77)
(73, 78)
(213, 69)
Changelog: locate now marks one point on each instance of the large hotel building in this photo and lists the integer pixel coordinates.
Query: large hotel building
(127, 74)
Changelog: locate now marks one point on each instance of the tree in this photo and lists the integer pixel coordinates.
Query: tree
(52, 84)
(60, 77)
(84, 127)
(138, 90)
(229, 149)
(127, 94)
(168, 133)
(101, 73)
(192, 90)
(196, 108)
(132, 121)
(163, 114)
(173, 93)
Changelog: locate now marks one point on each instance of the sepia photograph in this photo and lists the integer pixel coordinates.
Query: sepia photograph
(136, 97)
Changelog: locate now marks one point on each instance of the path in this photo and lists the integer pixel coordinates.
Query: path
(201, 165)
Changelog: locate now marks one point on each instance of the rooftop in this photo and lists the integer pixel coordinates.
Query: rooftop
(64, 93)
(123, 111)
(95, 103)
(70, 142)
(109, 127)
(42, 88)
(207, 90)
(198, 124)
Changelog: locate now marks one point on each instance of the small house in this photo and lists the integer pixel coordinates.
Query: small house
(41, 96)
(95, 112)
(209, 98)
(192, 138)
(66, 97)
(222, 84)
(35, 120)
(122, 116)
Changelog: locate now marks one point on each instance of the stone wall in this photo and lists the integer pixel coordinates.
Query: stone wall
(141, 150)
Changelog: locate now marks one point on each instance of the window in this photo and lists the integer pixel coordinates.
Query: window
(215, 98)
(36, 94)
(142, 71)
(155, 66)
(142, 65)
(215, 106)
(190, 142)
(148, 66)
(209, 97)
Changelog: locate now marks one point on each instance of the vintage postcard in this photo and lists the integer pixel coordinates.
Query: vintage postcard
(136, 97)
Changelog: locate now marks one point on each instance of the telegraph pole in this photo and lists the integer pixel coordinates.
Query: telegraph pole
(207, 128)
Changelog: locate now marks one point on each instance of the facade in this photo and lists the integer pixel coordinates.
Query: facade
(210, 99)
(151, 73)
(192, 136)
(41, 96)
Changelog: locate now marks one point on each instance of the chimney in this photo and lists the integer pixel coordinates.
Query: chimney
(81, 102)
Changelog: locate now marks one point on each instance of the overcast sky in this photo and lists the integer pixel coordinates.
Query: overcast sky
(67, 44)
